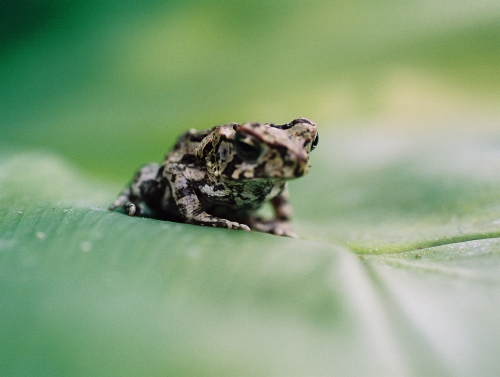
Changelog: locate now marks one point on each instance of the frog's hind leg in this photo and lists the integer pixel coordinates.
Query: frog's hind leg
(131, 198)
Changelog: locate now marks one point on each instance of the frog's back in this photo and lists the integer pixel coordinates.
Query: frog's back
(186, 145)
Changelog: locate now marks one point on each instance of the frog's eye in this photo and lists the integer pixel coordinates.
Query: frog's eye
(247, 148)
(315, 142)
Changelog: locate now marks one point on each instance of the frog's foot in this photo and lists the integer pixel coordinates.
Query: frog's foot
(119, 203)
(132, 209)
(223, 223)
(235, 225)
(279, 228)
(209, 220)
(136, 209)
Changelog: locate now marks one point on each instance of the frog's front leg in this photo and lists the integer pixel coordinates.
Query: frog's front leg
(280, 225)
(132, 198)
(283, 211)
(181, 181)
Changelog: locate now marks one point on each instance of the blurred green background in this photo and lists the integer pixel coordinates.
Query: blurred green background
(396, 271)
(111, 84)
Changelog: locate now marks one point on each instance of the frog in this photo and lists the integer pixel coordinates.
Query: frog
(222, 176)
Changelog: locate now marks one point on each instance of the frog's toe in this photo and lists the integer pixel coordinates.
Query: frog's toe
(245, 227)
(278, 228)
(286, 233)
(131, 209)
(235, 225)
(120, 202)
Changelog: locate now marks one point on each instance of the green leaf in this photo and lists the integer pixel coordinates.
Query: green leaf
(86, 291)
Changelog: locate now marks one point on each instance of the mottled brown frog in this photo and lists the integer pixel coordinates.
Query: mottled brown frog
(222, 176)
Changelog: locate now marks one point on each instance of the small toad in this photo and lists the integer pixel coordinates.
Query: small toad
(220, 177)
